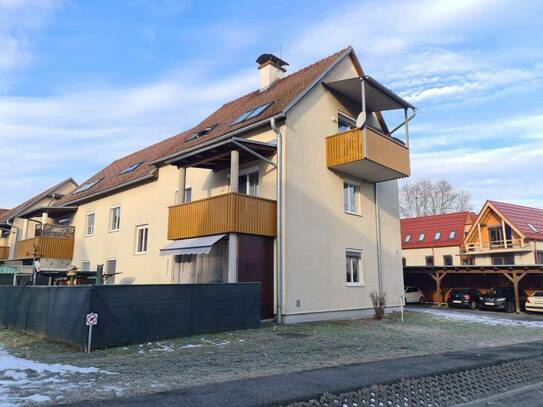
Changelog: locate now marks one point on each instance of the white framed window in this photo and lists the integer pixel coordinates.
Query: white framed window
(89, 224)
(142, 236)
(452, 234)
(421, 237)
(114, 218)
(407, 238)
(437, 236)
(248, 182)
(85, 265)
(351, 197)
(352, 267)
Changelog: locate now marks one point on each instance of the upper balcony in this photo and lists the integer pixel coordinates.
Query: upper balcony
(4, 252)
(50, 241)
(496, 246)
(231, 212)
(367, 154)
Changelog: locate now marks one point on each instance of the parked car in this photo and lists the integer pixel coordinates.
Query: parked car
(464, 297)
(535, 302)
(413, 294)
(501, 298)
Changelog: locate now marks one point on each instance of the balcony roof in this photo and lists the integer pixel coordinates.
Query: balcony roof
(53, 211)
(378, 97)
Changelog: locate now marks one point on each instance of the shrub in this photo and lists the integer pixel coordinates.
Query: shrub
(379, 304)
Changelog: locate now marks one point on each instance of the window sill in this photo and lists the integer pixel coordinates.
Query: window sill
(114, 230)
(355, 285)
(89, 235)
(140, 253)
(353, 213)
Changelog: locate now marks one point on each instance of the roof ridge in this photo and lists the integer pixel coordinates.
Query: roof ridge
(517, 205)
(441, 214)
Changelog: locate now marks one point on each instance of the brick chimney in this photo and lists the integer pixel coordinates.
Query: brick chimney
(271, 69)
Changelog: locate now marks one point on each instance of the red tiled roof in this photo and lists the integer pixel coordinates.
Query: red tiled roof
(429, 225)
(11, 213)
(522, 217)
(281, 93)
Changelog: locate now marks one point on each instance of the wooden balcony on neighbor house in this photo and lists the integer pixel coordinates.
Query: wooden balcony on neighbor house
(51, 241)
(4, 252)
(367, 154)
(227, 213)
(508, 245)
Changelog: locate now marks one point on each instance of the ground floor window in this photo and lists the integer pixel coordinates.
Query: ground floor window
(111, 269)
(447, 260)
(429, 260)
(502, 259)
(353, 267)
(85, 265)
(539, 257)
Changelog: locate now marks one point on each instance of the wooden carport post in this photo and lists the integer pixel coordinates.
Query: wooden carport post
(515, 279)
(437, 278)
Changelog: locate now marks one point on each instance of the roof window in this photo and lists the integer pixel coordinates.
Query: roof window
(249, 114)
(421, 237)
(452, 234)
(200, 133)
(437, 236)
(407, 238)
(532, 227)
(87, 186)
(131, 168)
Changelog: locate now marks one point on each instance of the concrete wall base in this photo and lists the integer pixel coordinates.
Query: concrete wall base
(333, 315)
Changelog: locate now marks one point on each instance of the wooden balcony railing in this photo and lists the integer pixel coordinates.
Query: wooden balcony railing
(45, 246)
(4, 252)
(374, 157)
(226, 213)
(494, 245)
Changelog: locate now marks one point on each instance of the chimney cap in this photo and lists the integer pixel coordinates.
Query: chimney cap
(264, 58)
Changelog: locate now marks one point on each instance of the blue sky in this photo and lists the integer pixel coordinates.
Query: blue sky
(84, 82)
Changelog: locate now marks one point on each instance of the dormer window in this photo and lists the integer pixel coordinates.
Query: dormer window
(407, 238)
(131, 168)
(87, 185)
(249, 114)
(437, 236)
(421, 237)
(200, 133)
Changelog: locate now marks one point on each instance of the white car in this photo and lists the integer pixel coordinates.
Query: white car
(535, 302)
(413, 294)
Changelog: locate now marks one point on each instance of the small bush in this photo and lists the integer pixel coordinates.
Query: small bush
(379, 304)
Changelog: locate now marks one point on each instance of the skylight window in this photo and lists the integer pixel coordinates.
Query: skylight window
(532, 227)
(437, 236)
(249, 114)
(452, 234)
(202, 132)
(130, 168)
(421, 237)
(407, 238)
(87, 185)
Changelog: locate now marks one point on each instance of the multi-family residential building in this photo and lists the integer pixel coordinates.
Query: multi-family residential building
(505, 234)
(435, 240)
(29, 231)
(293, 185)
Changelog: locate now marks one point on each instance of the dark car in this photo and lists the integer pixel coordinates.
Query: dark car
(464, 297)
(501, 298)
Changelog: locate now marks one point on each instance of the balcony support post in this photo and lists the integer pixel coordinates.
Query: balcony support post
(406, 123)
(504, 236)
(181, 186)
(364, 114)
(233, 237)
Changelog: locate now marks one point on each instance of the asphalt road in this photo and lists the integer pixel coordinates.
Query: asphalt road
(282, 389)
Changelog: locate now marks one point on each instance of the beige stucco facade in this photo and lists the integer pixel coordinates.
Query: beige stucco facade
(417, 257)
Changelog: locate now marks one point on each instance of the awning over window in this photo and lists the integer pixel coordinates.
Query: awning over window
(197, 245)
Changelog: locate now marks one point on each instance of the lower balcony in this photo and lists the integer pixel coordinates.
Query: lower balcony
(368, 155)
(4, 252)
(45, 247)
(228, 213)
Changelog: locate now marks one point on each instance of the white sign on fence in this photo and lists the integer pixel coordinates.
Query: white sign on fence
(92, 319)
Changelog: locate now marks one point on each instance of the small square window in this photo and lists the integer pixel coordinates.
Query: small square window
(85, 265)
(351, 197)
(421, 237)
(429, 260)
(437, 236)
(447, 260)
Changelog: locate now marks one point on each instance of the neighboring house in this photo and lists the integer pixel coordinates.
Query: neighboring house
(28, 231)
(505, 234)
(202, 206)
(435, 240)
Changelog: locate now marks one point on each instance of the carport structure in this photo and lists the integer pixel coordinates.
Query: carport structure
(513, 273)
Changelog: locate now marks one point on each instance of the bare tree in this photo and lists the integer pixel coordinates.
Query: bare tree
(424, 198)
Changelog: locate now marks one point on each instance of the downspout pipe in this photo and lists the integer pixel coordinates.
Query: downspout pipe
(378, 237)
(279, 238)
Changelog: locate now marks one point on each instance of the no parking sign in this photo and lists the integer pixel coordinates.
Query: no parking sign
(91, 320)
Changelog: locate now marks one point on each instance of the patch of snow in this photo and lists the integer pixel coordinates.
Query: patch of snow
(481, 319)
(222, 343)
(37, 398)
(190, 346)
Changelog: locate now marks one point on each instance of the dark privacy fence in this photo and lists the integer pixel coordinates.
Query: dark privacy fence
(129, 313)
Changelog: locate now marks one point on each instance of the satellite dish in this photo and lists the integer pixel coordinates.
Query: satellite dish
(361, 120)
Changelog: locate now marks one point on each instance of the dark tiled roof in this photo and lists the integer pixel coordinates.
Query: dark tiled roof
(429, 225)
(281, 93)
(11, 213)
(522, 217)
